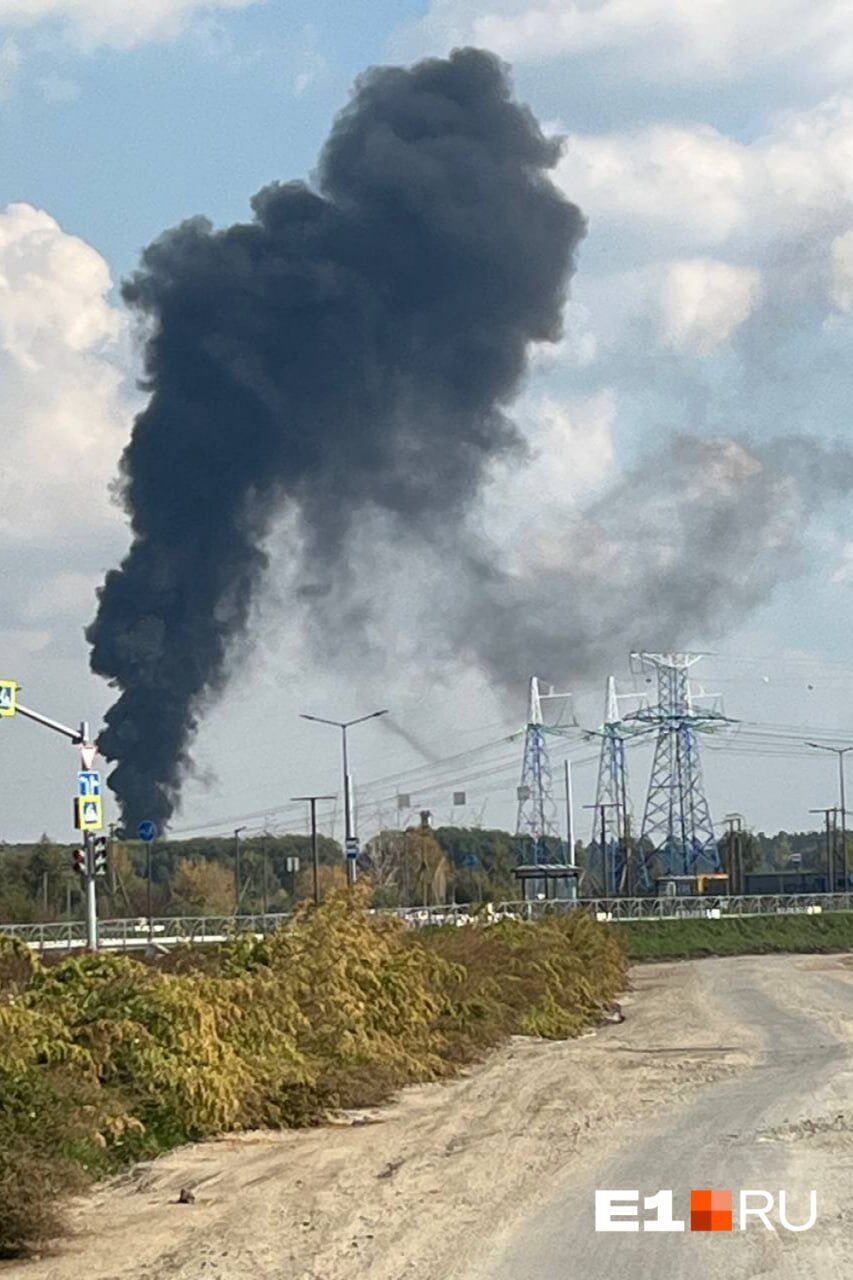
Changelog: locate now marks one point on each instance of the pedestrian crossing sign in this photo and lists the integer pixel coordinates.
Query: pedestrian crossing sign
(88, 813)
(8, 697)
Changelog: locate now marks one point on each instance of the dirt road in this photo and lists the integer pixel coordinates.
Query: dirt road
(726, 1073)
(785, 1122)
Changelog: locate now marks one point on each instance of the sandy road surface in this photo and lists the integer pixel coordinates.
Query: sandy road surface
(725, 1073)
(784, 1122)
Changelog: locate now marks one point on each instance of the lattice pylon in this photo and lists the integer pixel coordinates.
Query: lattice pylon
(612, 802)
(537, 811)
(677, 830)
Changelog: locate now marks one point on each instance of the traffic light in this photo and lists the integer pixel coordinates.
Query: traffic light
(99, 856)
(79, 861)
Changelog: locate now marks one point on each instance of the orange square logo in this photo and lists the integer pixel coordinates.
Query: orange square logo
(710, 1210)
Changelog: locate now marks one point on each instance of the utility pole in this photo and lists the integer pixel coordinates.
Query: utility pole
(611, 889)
(350, 840)
(841, 752)
(237, 877)
(829, 813)
(734, 822)
(315, 849)
(630, 877)
(627, 884)
(570, 816)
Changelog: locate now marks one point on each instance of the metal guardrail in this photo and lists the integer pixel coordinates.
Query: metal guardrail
(132, 934)
(641, 908)
(169, 931)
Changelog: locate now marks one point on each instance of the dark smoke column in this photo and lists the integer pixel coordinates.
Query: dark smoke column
(351, 347)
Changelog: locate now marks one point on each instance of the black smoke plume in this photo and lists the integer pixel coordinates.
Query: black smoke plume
(353, 346)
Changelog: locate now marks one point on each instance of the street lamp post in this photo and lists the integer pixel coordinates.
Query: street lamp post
(350, 848)
(841, 752)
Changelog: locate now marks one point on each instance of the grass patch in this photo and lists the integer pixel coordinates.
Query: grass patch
(105, 1059)
(747, 935)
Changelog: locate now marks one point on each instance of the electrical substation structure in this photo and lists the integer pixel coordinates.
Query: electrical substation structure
(677, 835)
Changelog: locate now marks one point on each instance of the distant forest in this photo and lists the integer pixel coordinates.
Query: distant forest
(415, 867)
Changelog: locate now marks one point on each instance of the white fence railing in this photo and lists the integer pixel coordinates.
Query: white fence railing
(169, 931)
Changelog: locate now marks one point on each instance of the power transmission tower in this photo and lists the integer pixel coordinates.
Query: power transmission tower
(611, 809)
(677, 832)
(537, 811)
(610, 854)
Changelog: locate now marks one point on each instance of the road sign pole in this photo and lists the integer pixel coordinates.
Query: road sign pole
(147, 832)
(148, 845)
(91, 893)
(88, 803)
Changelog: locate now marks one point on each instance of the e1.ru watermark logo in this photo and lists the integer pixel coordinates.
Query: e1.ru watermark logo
(709, 1211)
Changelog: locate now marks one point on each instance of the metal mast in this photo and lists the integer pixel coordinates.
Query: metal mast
(537, 810)
(677, 831)
(610, 823)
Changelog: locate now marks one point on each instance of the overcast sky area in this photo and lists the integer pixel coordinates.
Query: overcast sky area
(709, 145)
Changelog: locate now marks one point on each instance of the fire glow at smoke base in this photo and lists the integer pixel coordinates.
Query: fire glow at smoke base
(352, 347)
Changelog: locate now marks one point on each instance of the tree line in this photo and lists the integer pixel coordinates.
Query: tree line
(419, 866)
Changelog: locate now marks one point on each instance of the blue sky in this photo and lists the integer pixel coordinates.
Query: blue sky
(710, 145)
(140, 138)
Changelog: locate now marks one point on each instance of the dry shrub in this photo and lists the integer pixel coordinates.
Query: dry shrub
(550, 979)
(105, 1059)
(49, 1123)
(17, 966)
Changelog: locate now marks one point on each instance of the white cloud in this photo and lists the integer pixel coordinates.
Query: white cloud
(525, 507)
(702, 303)
(844, 570)
(10, 68)
(841, 271)
(701, 188)
(690, 39)
(118, 23)
(689, 179)
(63, 419)
(577, 346)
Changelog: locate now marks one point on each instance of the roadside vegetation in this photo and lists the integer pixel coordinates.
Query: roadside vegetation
(746, 935)
(105, 1060)
(413, 867)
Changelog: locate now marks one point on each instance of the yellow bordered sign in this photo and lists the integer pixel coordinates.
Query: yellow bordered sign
(88, 813)
(8, 697)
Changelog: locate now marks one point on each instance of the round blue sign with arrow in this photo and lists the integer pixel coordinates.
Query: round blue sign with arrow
(147, 830)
